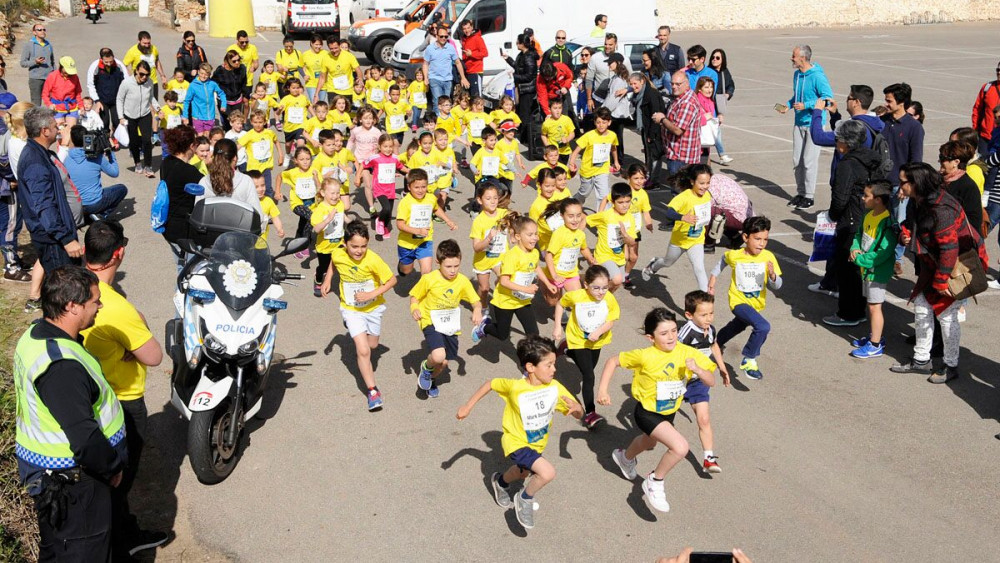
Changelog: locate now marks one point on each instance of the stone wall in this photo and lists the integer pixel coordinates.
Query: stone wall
(760, 14)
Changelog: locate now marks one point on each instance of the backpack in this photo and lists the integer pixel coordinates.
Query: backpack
(158, 211)
(881, 146)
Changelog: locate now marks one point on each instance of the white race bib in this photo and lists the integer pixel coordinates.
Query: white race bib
(377, 95)
(614, 237)
(342, 127)
(262, 105)
(555, 221)
(750, 276)
(350, 289)
(476, 127)
(497, 246)
(420, 216)
(173, 121)
(447, 321)
(315, 134)
(491, 165)
(305, 188)
(536, 411)
(668, 393)
(385, 173)
(181, 94)
(261, 150)
(510, 160)
(341, 83)
(637, 217)
(334, 231)
(866, 242)
(397, 122)
(296, 115)
(523, 278)
(601, 154)
(590, 316)
(419, 98)
(569, 259)
(272, 88)
(703, 212)
(335, 173)
(150, 60)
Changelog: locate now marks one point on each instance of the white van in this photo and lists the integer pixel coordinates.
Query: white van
(500, 22)
(368, 9)
(311, 16)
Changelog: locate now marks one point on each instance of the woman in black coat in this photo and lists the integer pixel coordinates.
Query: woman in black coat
(525, 73)
(953, 157)
(177, 174)
(231, 76)
(646, 101)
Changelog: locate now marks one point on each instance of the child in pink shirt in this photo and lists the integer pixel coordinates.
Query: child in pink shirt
(381, 171)
(705, 94)
(364, 144)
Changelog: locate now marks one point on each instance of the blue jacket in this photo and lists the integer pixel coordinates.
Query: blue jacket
(42, 197)
(809, 86)
(200, 102)
(86, 173)
(824, 138)
(906, 142)
(106, 82)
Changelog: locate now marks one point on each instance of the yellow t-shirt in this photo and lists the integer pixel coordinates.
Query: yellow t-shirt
(311, 129)
(555, 130)
(520, 266)
(498, 116)
(179, 86)
(367, 274)
(270, 210)
(117, 329)
(171, 117)
(340, 72)
(451, 123)
(333, 165)
(418, 213)
(291, 61)
(439, 300)
(460, 112)
(302, 185)
(533, 173)
(313, 64)
(659, 378)
(510, 150)
(271, 80)
(341, 121)
(475, 121)
(357, 100)
(686, 235)
(198, 163)
(296, 112)
(134, 55)
(395, 115)
(265, 104)
(610, 245)
(640, 205)
(527, 415)
(427, 162)
(587, 315)
(446, 160)
(748, 285)
(376, 92)
(418, 94)
(565, 246)
(333, 234)
(976, 173)
(489, 163)
(546, 226)
(869, 230)
(484, 260)
(597, 149)
(260, 148)
(247, 57)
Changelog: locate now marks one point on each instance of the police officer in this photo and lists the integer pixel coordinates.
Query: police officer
(70, 440)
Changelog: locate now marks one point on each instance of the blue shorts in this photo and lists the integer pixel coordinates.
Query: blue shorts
(437, 340)
(62, 114)
(697, 392)
(525, 458)
(408, 256)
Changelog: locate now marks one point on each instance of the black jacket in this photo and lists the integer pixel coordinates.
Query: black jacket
(854, 171)
(967, 193)
(232, 81)
(189, 60)
(525, 71)
(557, 55)
(177, 174)
(106, 82)
(651, 103)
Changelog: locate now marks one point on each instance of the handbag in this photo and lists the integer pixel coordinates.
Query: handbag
(710, 133)
(968, 278)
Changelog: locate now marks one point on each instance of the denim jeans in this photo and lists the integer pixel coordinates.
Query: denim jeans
(111, 196)
(438, 88)
(746, 316)
(993, 211)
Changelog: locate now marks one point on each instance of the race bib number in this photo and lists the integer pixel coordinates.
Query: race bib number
(433, 173)
(750, 277)
(315, 134)
(150, 60)
(637, 217)
(614, 238)
(497, 246)
(419, 99)
(272, 88)
(590, 316)
(397, 122)
(334, 231)
(668, 394)
(262, 105)
(476, 127)
(305, 188)
(297, 115)
(377, 95)
(510, 160)
(385, 173)
(555, 221)
(420, 216)
(181, 94)
(341, 82)
(866, 242)
(568, 259)
(523, 278)
(334, 172)
(261, 150)
(173, 121)
(447, 321)
(536, 412)
(703, 213)
(342, 127)
(491, 165)
(601, 154)
(350, 289)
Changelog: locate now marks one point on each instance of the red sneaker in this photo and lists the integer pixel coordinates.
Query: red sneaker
(592, 419)
(711, 465)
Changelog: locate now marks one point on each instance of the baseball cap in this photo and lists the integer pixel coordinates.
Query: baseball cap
(616, 58)
(507, 125)
(68, 64)
(7, 101)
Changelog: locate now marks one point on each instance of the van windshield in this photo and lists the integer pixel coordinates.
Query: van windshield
(312, 2)
(408, 9)
(446, 12)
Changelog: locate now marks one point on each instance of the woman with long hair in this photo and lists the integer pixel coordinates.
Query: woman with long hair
(525, 74)
(224, 180)
(652, 67)
(617, 100)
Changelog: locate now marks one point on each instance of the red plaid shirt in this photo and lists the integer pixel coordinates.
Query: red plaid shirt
(686, 114)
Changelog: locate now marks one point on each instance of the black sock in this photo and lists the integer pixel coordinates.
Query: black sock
(503, 484)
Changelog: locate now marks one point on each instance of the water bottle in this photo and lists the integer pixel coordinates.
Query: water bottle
(716, 227)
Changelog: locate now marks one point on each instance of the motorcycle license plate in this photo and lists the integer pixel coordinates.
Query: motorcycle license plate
(93, 10)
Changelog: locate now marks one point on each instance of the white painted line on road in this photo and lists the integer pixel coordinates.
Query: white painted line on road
(926, 48)
(864, 62)
(264, 37)
(764, 81)
(759, 133)
(756, 152)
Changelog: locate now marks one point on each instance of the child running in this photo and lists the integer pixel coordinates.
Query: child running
(529, 403)
(364, 278)
(435, 304)
(616, 230)
(364, 142)
(593, 311)
(691, 212)
(754, 268)
(873, 250)
(660, 374)
(380, 181)
(550, 154)
(260, 146)
(328, 225)
(640, 213)
(698, 333)
(567, 244)
(302, 181)
(547, 193)
(600, 157)
(489, 240)
(332, 162)
(416, 229)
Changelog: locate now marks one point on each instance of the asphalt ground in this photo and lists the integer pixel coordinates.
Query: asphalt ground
(827, 458)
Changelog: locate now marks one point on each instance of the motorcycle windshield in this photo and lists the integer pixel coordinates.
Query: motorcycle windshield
(239, 269)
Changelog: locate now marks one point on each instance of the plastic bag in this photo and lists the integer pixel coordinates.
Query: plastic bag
(710, 133)
(121, 135)
(497, 85)
(823, 237)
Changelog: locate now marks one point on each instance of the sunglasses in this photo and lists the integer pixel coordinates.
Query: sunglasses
(189, 40)
(39, 29)
(141, 74)
(558, 37)
(445, 36)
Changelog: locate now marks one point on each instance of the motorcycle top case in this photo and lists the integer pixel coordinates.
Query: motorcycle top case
(216, 215)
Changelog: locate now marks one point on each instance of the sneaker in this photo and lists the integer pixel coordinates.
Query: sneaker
(913, 366)
(433, 392)
(146, 539)
(709, 249)
(317, 290)
(750, 369)
(835, 320)
(859, 342)
(18, 275)
(479, 332)
(302, 254)
(424, 381)
(664, 227)
(627, 284)
(655, 495)
(626, 466)
(950, 372)
(647, 272)
(993, 284)
(818, 288)
(711, 464)
(868, 350)
(562, 347)
(139, 169)
(500, 494)
(795, 201)
(32, 305)
(592, 419)
(463, 164)
(805, 203)
(374, 400)
(525, 510)
(437, 219)
(379, 227)
(725, 159)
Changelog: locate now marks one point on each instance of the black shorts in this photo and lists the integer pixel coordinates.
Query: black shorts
(648, 421)
(292, 136)
(398, 137)
(437, 340)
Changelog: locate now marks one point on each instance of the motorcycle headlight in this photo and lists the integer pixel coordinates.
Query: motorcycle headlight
(254, 345)
(214, 345)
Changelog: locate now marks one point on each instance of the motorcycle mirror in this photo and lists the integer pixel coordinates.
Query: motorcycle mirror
(188, 246)
(291, 246)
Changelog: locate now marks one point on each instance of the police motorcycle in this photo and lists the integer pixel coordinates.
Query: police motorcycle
(228, 297)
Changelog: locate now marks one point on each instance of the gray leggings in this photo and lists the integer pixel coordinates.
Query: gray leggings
(696, 254)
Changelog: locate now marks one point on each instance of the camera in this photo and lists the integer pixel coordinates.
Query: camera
(96, 143)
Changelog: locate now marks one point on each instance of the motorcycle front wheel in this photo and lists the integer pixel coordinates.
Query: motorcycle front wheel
(211, 460)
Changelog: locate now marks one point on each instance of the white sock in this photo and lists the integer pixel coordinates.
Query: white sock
(709, 453)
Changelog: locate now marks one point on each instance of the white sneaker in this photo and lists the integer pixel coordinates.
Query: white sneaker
(817, 288)
(647, 272)
(993, 284)
(725, 159)
(627, 467)
(655, 495)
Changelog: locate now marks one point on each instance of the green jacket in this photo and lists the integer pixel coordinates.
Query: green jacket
(876, 264)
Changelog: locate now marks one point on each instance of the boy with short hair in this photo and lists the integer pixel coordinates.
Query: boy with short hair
(530, 402)
(754, 268)
(450, 122)
(435, 304)
(332, 162)
(476, 120)
(489, 160)
(616, 232)
(446, 160)
(320, 120)
(267, 205)
(698, 333)
(873, 250)
(511, 148)
(550, 154)
(600, 157)
(259, 145)
(235, 133)
(416, 228)
(558, 130)
(396, 112)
